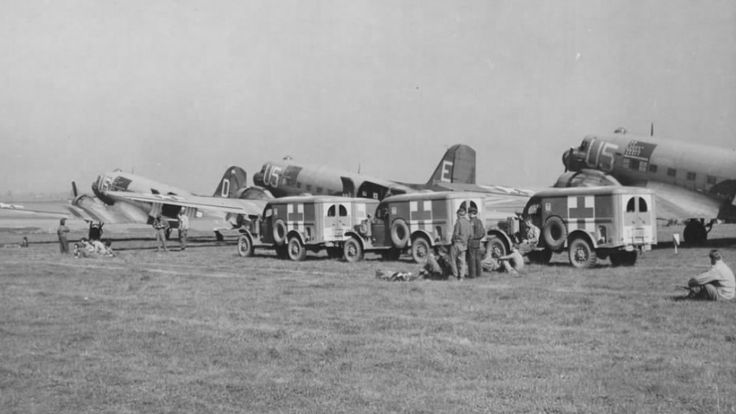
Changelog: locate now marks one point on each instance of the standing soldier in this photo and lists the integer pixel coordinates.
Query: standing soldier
(61, 232)
(183, 229)
(460, 236)
(476, 235)
(159, 227)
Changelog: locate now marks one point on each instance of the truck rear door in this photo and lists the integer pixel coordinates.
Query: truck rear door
(638, 225)
(336, 220)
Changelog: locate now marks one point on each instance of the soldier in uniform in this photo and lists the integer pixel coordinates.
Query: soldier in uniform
(460, 237)
(529, 237)
(715, 284)
(61, 231)
(477, 234)
(183, 229)
(159, 227)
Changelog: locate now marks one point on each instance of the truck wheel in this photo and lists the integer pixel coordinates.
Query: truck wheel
(420, 250)
(496, 246)
(352, 250)
(554, 233)
(399, 233)
(279, 232)
(582, 254)
(245, 246)
(297, 251)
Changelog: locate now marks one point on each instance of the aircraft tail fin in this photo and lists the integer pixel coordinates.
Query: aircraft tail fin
(232, 180)
(456, 166)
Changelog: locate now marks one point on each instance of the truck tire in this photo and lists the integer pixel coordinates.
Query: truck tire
(245, 246)
(352, 250)
(399, 233)
(297, 251)
(279, 232)
(582, 254)
(420, 249)
(495, 243)
(554, 233)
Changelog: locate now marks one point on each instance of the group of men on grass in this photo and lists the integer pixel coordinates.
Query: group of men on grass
(467, 257)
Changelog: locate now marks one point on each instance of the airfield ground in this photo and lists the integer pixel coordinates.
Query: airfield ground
(208, 331)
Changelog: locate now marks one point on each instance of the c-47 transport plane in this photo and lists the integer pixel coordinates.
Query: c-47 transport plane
(691, 181)
(123, 198)
(455, 172)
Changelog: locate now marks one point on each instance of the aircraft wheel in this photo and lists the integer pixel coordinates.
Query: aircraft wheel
(694, 232)
(297, 251)
(420, 250)
(497, 246)
(352, 250)
(582, 254)
(245, 246)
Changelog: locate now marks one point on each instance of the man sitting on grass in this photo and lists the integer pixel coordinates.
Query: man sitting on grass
(715, 284)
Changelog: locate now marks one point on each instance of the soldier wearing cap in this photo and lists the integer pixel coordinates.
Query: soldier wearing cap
(460, 236)
(476, 235)
(529, 236)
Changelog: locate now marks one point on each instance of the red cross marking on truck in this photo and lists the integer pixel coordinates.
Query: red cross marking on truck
(580, 213)
(421, 213)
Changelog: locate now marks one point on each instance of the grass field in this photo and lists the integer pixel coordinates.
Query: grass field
(207, 331)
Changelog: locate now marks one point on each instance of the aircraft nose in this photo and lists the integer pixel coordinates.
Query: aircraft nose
(566, 158)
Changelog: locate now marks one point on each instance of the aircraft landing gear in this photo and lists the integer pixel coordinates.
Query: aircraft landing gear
(696, 231)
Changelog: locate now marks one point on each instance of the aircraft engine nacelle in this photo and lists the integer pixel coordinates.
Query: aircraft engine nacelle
(254, 193)
(586, 178)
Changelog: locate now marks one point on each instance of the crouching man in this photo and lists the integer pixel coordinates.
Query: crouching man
(715, 284)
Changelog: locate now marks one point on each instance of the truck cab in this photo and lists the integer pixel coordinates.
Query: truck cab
(294, 225)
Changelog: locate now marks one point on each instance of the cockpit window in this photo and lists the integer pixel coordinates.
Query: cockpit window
(120, 183)
(584, 145)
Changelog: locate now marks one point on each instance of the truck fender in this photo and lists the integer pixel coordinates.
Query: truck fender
(354, 234)
(422, 233)
(581, 234)
(502, 236)
(294, 233)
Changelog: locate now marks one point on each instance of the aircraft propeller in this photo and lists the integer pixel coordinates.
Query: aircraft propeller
(74, 189)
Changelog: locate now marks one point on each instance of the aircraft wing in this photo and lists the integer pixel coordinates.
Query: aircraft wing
(213, 204)
(675, 202)
(19, 210)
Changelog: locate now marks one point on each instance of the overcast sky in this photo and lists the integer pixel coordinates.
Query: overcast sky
(179, 90)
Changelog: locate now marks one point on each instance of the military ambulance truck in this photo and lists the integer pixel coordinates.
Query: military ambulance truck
(589, 223)
(294, 225)
(415, 223)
